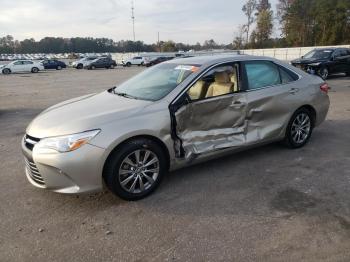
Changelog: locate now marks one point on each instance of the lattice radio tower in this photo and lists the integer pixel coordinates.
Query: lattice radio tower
(133, 19)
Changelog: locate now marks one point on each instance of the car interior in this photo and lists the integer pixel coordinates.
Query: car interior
(220, 81)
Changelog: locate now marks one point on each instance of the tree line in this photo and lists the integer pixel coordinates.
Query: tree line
(301, 23)
(8, 45)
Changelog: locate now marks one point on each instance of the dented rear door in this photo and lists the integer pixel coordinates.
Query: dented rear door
(271, 97)
(212, 124)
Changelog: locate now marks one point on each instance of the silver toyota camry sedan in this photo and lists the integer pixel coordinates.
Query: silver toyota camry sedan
(175, 114)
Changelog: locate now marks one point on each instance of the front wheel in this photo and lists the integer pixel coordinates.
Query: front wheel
(35, 70)
(324, 73)
(59, 68)
(6, 71)
(136, 169)
(299, 129)
(111, 66)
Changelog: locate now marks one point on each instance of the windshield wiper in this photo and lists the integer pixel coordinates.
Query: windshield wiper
(114, 91)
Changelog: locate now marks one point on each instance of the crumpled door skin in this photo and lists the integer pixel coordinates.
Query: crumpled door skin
(212, 124)
(268, 111)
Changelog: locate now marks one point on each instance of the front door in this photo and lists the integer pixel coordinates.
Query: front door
(214, 117)
(18, 67)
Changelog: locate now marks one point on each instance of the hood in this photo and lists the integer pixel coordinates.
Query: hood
(308, 60)
(83, 113)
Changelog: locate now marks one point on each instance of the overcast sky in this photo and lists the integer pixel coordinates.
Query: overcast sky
(187, 21)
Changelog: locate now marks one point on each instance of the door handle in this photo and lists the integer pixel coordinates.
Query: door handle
(237, 104)
(294, 90)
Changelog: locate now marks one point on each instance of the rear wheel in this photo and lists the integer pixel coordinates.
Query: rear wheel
(136, 169)
(6, 71)
(80, 66)
(35, 70)
(299, 129)
(111, 67)
(59, 68)
(93, 67)
(128, 64)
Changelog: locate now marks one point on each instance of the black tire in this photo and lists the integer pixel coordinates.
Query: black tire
(93, 67)
(35, 70)
(347, 73)
(289, 139)
(59, 68)
(111, 67)
(111, 171)
(128, 64)
(323, 72)
(6, 71)
(80, 66)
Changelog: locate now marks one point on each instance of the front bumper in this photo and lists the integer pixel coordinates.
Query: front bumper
(311, 69)
(75, 172)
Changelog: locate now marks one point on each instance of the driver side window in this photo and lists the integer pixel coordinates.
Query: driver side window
(219, 81)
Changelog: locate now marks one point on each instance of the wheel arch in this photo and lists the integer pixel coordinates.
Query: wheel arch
(312, 111)
(6, 68)
(150, 137)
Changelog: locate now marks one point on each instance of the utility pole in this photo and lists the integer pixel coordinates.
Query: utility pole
(133, 19)
(159, 43)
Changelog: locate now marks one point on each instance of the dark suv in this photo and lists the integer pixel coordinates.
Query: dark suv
(325, 61)
(102, 62)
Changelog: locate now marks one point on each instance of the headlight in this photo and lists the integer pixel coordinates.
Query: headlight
(66, 143)
(314, 64)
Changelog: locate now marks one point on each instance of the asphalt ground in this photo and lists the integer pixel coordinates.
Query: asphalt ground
(266, 204)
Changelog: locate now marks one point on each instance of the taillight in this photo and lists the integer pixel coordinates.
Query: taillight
(325, 88)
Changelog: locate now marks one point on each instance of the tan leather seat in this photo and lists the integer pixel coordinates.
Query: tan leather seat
(234, 81)
(197, 90)
(221, 86)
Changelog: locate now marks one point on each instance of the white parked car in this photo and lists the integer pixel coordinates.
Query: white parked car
(137, 60)
(81, 63)
(20, 66)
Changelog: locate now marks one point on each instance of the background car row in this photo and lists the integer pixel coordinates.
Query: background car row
(90, 62)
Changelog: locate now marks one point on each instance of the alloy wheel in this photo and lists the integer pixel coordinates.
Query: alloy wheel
(139, 171)
(301, 128)
(324, 73)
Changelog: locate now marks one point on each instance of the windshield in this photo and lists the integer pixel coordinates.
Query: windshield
(319, 54)
(155, 83)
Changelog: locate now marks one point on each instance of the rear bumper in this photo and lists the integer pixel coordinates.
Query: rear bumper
(75, 172)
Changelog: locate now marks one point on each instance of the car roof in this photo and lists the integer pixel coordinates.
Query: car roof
(214, 59)
(332, 48)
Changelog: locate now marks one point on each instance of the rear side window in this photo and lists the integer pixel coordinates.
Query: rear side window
(264, 73)
(287, 75)
(261, 74)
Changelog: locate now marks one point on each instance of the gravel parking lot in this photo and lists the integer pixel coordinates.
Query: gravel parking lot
(265, 204)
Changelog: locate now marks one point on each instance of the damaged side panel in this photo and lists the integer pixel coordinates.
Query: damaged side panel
(212, 124)
(234, 120)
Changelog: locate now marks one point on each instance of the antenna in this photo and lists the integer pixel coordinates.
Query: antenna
(133, 18)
